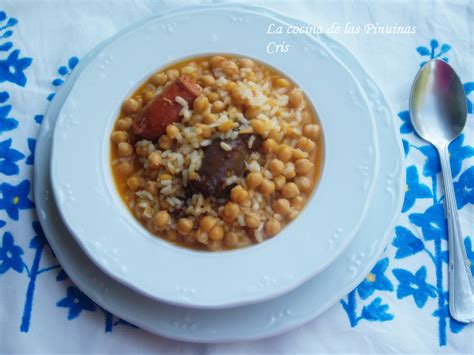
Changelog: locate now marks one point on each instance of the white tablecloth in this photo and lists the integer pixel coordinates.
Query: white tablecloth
(400, 307)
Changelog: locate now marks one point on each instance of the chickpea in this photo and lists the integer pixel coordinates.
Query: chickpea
(311, 147)
(119, 136)
(305, 144)
(165, 204)
(188, 70)
(149, 88)
(279, 181)
(254, 180)
(237, 98)
(206, 131)
(124, 149)
(159, 79)
(267, 187)
(172, 131)
(209, 118)
(161, 219)
(230, 85)
(208, 80)
(204, 64)
(311, 131)
(231, 239)
(230, 68)
(289, 171)
(216, 233)
(269, 145)
(272, 227)
(151, 187)
(251, 77)
(238, 194)
(217, 61)
(298, 154)
(290, 190)
(130, 106)
(231, 211)
(202, 236)
(258, 127)
(297, 202)
(172, 74)
(154, 160)
(226, 126)
(285, 128)
(303, 166)
(303, 183)
(135, 182)
(274, 134)
(252, 220)
(142, 149)
(296, 97)
(282, 83)
(125, 168)
(252, 112)
(201, 104)
(306, 117)
(165, 142)
(213, 96)
(124, 123)
(247, 63)
(185, 225)
(217, 106)
(302, 142)
(284, 152)
(276, 167)
(207, 223)
(281, 206)
(147, 96)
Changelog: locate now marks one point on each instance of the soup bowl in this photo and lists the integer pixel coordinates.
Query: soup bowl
(94, 213)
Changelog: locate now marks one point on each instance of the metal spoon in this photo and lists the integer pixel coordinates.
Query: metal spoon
(438, 114)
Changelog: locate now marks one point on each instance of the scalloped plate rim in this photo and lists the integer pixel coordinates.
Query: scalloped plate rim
(37, 172)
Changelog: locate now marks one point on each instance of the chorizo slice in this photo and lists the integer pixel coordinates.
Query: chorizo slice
(163, 109)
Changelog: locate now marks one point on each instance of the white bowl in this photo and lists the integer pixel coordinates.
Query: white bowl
(95, 215)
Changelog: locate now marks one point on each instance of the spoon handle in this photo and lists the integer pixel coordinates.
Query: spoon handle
(461, 285)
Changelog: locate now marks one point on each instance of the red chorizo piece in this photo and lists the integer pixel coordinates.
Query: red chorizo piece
(164, 110)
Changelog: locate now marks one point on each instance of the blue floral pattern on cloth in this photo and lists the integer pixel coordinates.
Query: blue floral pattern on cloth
(10, 255)
(428, 231)
(414, 285)
(12, 68)
(76, 302)
(29, 256)
(434, 51)
(6, 123)
(9, 158)
(16, 197)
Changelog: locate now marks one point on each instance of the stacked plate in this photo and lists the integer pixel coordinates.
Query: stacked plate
(223, 296)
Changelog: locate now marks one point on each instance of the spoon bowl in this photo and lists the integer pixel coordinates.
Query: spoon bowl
(438, 103)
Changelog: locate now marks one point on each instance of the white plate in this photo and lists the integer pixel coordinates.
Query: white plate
(108, 233)
(249, 322)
